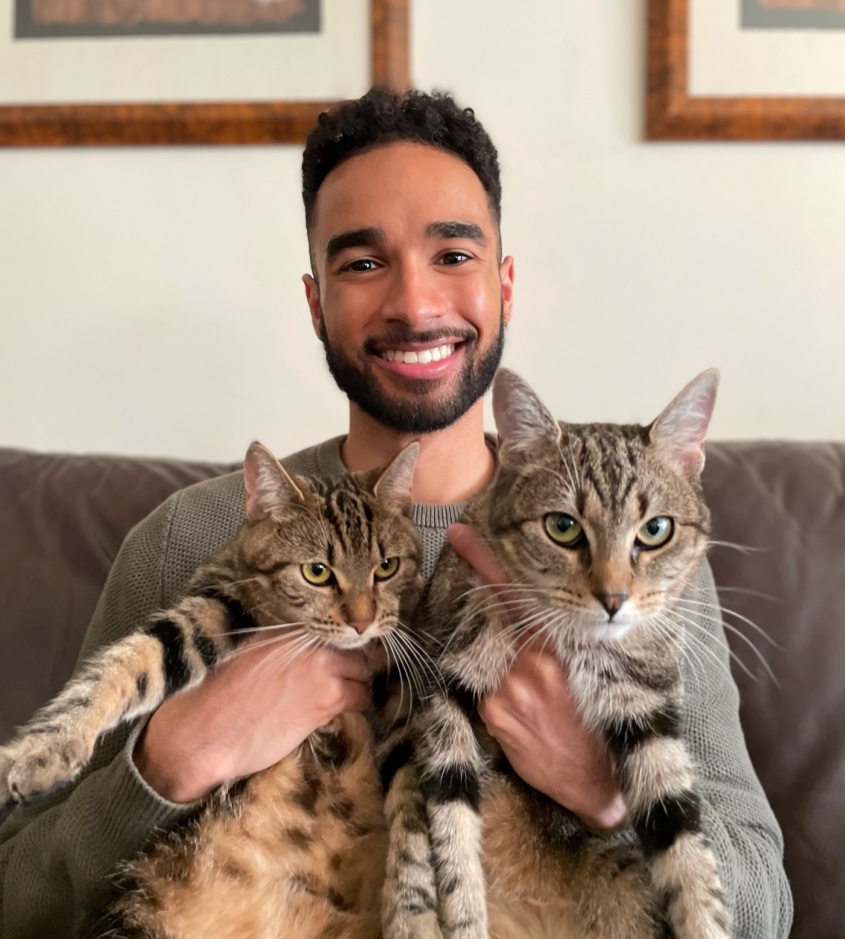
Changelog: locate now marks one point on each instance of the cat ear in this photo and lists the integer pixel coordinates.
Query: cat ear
(395, 482)
(267, 484)
(679, 432)
(526, 428)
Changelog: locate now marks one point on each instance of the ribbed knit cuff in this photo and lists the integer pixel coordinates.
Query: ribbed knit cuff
(432, 515)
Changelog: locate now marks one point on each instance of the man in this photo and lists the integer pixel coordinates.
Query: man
(410, 296)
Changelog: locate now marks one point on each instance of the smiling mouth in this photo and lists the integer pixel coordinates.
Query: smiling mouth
(420, 356)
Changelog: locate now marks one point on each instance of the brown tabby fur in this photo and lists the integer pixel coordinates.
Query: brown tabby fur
(476, 852)
(297, 850)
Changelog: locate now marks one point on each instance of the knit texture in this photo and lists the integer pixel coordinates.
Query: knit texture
(55, 855)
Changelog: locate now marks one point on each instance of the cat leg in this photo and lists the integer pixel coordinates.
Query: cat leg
(657, 780)
(123, 681)
(409, 898)
(451, 768)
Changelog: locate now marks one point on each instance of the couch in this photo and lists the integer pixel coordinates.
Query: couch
(778, 558)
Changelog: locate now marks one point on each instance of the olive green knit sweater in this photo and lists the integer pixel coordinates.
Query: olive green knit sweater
(56, 855)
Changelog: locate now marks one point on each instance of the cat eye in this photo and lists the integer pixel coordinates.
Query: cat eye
(317, 573)
(564, 529)
(656, 532)
(386, 569)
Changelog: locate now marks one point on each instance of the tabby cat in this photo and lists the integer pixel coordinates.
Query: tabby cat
(297, 850)
(598, 528)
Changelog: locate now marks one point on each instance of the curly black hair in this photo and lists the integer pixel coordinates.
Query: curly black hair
(382, 117)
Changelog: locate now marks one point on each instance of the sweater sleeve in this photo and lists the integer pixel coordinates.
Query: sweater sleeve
(56, 853)
(735, 813)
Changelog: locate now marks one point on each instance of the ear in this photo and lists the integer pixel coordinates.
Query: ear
(267, 484)
(395, 482)
(526, 428)
(679, 432)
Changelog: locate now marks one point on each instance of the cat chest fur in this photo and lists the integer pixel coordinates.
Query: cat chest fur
(296, 851)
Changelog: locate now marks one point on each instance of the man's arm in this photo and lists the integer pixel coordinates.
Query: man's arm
(55, 853)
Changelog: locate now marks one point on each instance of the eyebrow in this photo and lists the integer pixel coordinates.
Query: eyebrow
(468, 230)
(354, 238)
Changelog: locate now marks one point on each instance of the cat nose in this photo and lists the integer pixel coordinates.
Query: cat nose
(612, 602)
(362, 625)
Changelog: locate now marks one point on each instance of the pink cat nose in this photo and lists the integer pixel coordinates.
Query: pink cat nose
(612, 602)
(361, 626)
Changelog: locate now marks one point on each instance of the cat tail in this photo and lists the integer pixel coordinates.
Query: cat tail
(124, 681)
(657, 779)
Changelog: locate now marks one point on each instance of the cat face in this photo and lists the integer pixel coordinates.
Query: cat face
(604, 522)
(336, 557)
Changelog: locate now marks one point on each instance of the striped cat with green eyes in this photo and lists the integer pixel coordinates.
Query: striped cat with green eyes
(297, 850)
(598, 529)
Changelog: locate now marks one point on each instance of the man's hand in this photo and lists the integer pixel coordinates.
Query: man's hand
(247, 715)
(533, 717)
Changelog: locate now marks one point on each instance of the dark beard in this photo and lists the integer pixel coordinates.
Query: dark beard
(420, 415)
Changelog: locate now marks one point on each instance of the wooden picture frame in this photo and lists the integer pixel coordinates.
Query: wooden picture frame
(206, 123)
(673, 114)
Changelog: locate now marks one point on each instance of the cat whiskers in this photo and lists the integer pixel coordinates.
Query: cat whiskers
(742, 548)
(286, 654)
(406, 670)
(688, 644)
(737, 632)
(710, 606)
(429, 670)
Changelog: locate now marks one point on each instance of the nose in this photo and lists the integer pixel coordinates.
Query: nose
(612, 602)
(414, 298)
(361, 626)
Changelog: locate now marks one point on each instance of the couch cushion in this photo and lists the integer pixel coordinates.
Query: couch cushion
(62, 520)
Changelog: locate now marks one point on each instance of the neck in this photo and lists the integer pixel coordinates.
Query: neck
(454, 464)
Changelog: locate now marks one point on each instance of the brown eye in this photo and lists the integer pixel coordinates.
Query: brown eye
(656, 532)
(317, 573)
(386, 569)
(564, 529)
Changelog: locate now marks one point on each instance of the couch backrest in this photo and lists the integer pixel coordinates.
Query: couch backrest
(63, 518)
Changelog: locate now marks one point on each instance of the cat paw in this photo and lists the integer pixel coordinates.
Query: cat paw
(35, 765)
(423, 926)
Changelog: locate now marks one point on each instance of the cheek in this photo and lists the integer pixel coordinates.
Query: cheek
(348, 311)
(478, 301)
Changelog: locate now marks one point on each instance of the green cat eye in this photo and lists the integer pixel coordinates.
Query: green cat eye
(317, 573)
(564, 529)
(656, 532)
(386, 569)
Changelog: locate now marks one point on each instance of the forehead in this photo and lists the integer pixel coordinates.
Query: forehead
(399, 188)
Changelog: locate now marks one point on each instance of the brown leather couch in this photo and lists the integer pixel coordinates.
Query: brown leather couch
(63, 518)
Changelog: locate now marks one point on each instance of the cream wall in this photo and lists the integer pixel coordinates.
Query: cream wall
(150, 299)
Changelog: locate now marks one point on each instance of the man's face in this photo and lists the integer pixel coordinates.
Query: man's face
(410, 300)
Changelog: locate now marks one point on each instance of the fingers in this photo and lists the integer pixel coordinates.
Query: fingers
(475, 552)
(347, 665)
(358, 697)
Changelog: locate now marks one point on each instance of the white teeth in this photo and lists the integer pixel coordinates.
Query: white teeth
(424, 356)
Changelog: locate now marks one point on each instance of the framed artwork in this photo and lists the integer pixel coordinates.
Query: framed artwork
(113, 72)
(746, 70)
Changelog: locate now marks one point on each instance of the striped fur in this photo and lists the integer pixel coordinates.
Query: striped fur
(297, 850)
(506, 860)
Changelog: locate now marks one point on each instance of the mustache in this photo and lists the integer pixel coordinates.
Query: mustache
(401, 334)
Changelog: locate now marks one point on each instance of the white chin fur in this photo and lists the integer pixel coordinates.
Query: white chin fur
(613, 630)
